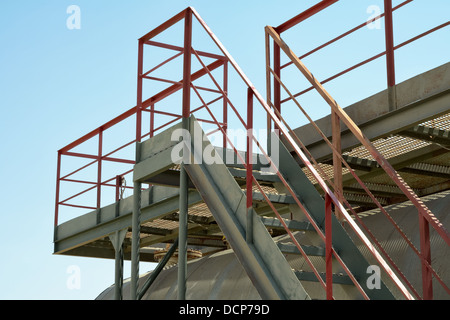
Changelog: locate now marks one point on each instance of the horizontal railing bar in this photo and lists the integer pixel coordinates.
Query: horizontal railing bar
(103, 158)
(345, 34)
(167, 24)
(369, 60)
(181, 49)
(77, 206)
(157, 97)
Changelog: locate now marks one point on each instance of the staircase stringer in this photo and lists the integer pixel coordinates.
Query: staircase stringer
(262, 259)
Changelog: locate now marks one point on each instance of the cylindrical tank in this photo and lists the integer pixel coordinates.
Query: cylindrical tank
(221, 277)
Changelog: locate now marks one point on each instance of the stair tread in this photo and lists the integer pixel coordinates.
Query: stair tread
(338, 278)
(293, 225)
(309, 249)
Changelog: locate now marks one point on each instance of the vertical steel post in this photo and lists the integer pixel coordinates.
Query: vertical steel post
(152, 120)
(137, 186)
(99, 168)
(249, 160)
(425, 251)
(337, 164)
(268, 91)
(117, 241)
(277, 84)
(183, 230)
(139, 91)
(58, 177)
(136, 232)
(118, 186)
(225, 104)
(328, 247)
(390, 61)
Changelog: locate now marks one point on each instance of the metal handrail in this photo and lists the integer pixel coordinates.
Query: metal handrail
(330, 195)
(425, 213)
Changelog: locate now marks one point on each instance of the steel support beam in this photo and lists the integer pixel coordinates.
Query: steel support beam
(184, 180)
(158, 270)
(117, 239)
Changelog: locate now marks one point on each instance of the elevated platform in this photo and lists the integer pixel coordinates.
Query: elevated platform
(308, 228)
(415, 138)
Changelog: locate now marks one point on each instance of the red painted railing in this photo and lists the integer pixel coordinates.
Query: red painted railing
(227, 109)
(426, 218)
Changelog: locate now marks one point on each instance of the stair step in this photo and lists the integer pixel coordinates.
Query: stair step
(309, 250)
(338, 278)
(293, 225)
(260, 176)
(273, 197)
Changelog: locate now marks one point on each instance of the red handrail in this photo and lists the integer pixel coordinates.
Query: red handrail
(425, 217)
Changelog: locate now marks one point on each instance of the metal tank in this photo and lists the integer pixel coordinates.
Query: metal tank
(220, 276)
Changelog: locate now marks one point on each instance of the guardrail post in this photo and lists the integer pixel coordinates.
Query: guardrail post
(390, 60)
(249, 160)
(277, 84)
(225, 103)
(425, 252)
(139, 91)
(328, 247)
(152, 120)
(137, 186)
(183, 228)
(337, 164)
(58, 185)
(99, 168)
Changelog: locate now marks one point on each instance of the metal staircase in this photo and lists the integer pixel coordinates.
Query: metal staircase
(246, 231)
(286, 220)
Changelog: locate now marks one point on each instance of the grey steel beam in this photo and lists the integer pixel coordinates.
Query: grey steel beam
(183, 232)
(169, 178)
(191, 218)
(135, 240)
(157, 231)
(156, 203)
(262, 260)
(117, 239)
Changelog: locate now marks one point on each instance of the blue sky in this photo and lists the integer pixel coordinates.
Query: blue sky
(57, 84)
